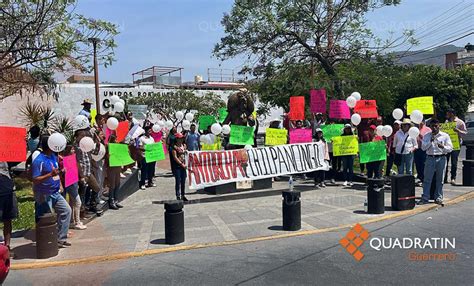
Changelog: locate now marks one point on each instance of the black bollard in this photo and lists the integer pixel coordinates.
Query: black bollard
(470, 151)
(375, 196)
(468, 172)
(291, 210)
(46, 236)
(174, 222)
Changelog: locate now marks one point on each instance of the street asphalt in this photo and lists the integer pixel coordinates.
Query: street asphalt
(316, 259)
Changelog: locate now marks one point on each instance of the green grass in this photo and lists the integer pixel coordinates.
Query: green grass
(26, 205)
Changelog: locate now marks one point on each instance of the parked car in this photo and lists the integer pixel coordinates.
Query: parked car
(469, 137)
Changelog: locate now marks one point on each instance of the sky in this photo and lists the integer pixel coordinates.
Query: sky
(182, 33)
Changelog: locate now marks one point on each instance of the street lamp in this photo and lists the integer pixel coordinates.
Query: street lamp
(94, 42)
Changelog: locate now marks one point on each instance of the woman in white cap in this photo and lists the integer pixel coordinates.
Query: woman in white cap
(404, 148)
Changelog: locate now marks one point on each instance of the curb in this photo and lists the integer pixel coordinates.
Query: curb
(128, 255)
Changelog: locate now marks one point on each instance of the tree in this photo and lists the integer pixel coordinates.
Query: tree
(290, 32)
(38, 37)
(166, 104)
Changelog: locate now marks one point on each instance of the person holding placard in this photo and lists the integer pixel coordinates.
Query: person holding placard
(178, 166)
(319, 176)
(347, 160)
(374, 168)
(461, 130)
(113, 177)
(8, 203)
(391, 148)
(147, 169)
(404, 148)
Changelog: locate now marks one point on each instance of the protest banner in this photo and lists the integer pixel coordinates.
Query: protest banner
(345, 145)
(274, 136)
(423, 104)
(331, 130)
(296, 108)
(241, 135)
(338, 109)
(318, 100)
(139, 111)
(366, 108)
(154, 152)
(13, 144)
(71, 175)
(119, 155)
(205, 121)
(301, 136)
(211, 168)
(93, 115)
(449, 128)
(222, 114)
(373, 151)
(121, 131)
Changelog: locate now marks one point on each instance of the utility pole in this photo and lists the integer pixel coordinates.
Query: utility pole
(94, 42)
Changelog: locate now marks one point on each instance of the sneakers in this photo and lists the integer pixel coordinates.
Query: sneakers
(350, 184)
(422, 202)
(80, 226)
(322, 185)
(122, 175)
(143, 187)
(63, 244)
(333, 181)
(128, 172)
(453, 182)
(151, 185)
(345, 184)
(439, 201)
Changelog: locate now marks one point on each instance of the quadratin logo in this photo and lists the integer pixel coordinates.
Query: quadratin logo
(353, 240)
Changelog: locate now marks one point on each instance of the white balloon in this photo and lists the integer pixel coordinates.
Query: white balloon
(189, 116)
(248, 147)
(57, 142)
(416, 116)
(203, 139)
(351, 101)
(225, 129)
(169, 124)
(86, 144)
(122, 101)
(397, 113)
(100, 155)
(156, 128)
(119, 107)
(179, 115)
(186, 125)
(356, 95)
(211, 138)
(111, 112)
(161, 123)
(114, 99)
(112, 123)
(379, 130)
(387, 130)
(81, 122)
(355, 119)
(216, 128)
(414, 132)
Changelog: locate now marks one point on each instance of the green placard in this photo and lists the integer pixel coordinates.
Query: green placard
(154, 152)
(222, 114)
(331, 130)
(205, 121)
(373, 151)
(241, 135)
(119, 155)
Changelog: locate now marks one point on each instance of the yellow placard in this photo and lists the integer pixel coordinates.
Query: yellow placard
(423, 104)
(449, 128)
(345, 145)
(93, 115)
(274, 136)
(210, 147)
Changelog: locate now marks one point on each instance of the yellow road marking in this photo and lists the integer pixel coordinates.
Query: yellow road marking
(134, 254)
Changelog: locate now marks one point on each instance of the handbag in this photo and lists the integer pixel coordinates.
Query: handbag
(397, 160)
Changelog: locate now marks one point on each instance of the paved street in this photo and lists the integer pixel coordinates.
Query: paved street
(312, 259)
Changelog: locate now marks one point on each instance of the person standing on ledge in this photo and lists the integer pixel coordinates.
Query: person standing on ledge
(178, 166)
(461, 130)
(86, 110)
(436, 144)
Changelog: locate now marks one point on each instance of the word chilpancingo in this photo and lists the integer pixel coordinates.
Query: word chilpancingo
(412, 243)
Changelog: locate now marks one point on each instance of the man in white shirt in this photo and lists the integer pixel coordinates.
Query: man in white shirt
(436, 144)
(461, 130)
(405, 146)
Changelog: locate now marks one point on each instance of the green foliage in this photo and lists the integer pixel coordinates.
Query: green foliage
(26, 205)
(64, 126)
(33, 113)
(168, 103)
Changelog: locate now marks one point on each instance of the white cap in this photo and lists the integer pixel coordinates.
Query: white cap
(398, 122)
(348, 126)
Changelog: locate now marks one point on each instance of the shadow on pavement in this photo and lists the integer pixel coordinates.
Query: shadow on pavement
(158, 241)
(26, 251)
(276, 227)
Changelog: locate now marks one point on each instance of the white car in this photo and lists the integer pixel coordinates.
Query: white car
(469, 137)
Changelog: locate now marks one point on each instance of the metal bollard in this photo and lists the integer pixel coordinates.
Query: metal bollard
(291, 210)
(375, 196)
(174, 222)
(46, 236)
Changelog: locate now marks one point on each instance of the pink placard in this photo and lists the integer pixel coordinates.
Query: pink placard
(157, 136)
(108, 132)
(301, 136)
(338, 109)
(318, 100)
(71, 173)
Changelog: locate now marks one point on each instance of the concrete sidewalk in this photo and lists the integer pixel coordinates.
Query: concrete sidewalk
(139, 226)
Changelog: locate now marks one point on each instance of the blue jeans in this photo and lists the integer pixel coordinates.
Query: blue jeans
(432, 165)
(348, 167)
(44, 203)
(420, 158)
(180, 182)
(406, 165)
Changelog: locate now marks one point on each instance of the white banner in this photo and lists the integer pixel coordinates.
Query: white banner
(211, 168)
